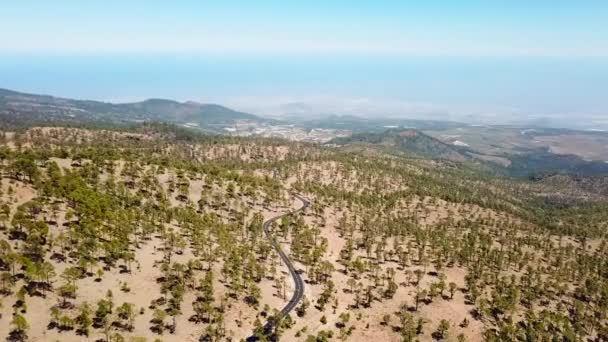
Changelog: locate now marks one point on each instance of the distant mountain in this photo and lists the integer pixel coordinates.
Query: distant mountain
(358, 124)
(20, 108)
(409, 141)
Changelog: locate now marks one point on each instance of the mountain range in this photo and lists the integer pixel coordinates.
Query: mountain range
(18, 108)
(515, 151)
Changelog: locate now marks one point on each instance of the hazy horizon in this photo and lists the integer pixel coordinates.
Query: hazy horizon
(472, 61)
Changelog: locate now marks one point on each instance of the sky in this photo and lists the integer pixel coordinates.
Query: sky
(438, 59)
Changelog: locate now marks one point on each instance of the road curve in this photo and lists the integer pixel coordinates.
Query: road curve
(297, 280)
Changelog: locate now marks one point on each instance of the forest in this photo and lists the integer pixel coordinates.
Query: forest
(155, 233)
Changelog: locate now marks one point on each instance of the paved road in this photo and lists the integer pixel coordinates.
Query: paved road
(299, 283)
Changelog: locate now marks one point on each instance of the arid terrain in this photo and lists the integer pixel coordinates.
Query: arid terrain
(155, 234)
(502, 141)
(303, 171)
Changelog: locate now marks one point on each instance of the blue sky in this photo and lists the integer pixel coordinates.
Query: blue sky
(446, 28)
(473, 60)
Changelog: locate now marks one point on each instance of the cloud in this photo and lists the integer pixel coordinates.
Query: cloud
(358, 106)
(319, 106)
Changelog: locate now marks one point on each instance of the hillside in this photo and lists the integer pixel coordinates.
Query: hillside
(19, 109)
(158, 233)
(408, 141)
(527, 163)
(585, 187)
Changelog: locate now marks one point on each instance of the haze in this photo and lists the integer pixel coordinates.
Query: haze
(519, 62)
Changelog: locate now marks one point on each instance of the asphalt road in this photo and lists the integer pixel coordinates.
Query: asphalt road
(299, 283)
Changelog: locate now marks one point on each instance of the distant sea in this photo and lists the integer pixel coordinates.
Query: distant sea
(531, 85)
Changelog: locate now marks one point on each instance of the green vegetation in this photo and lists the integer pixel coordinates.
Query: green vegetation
(19, 109)
(156, 232)
(410, 142)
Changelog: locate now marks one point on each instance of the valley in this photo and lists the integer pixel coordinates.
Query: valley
(513, 150)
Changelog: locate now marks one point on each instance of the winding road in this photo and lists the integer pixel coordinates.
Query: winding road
(297, 280)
